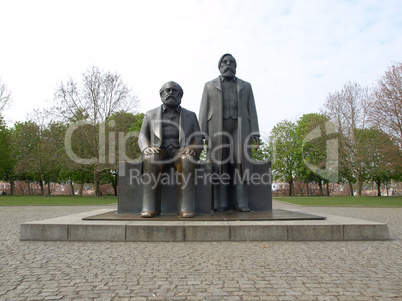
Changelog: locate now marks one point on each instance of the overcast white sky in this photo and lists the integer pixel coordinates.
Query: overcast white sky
(294, 53)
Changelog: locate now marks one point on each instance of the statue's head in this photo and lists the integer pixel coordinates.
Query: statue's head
(171, 94)
(227, 65)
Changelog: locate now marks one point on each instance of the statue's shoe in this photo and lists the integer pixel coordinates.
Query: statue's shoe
(185, 214)
(148, 214)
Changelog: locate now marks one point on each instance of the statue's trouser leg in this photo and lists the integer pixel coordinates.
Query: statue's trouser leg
(222, 190)
(241, 188)
(152, 168)
(185, 166)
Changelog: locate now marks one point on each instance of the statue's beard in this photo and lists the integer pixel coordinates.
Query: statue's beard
(172, 101)
(229, 72)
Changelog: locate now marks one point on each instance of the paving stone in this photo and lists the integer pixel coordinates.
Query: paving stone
(265, 270)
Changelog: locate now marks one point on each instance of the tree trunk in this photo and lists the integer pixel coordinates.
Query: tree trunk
(291, 187)
(96, 183)
(378, 188)
(308, 191)
(48, 188)
(72, 187)
(82, 184)
(328, 189)
(359, 187)
(115, 181)
(29, 188)
(115, 189)
(12, 187)
(320, 185)
(42, 190)
(351, 188)
(114, 184)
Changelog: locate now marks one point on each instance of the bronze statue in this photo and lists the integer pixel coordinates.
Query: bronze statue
(228, 119)
(170, 135)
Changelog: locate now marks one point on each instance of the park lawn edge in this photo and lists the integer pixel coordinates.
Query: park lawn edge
(344, 201)
(26, 200)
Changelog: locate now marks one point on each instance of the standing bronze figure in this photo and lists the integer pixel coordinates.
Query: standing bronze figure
(228, 119)
(170, 136)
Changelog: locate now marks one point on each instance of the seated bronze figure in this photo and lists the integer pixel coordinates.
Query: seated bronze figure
(170, 136)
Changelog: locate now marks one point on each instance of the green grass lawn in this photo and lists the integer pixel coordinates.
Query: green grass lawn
(59, 200)
(344, 201)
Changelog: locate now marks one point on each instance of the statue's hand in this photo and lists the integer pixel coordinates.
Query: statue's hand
(151, 150)
(189, 151)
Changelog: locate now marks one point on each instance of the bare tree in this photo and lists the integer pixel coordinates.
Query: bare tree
(348, 110)
(5, 96)
(100, 95)
(386, 106)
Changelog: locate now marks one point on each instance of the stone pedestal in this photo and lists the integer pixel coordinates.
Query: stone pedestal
(85, 227)
(130, 188)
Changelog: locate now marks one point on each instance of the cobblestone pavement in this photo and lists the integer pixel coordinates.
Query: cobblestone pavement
(199, 271)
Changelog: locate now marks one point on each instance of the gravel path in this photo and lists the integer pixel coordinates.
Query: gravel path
(200, 271)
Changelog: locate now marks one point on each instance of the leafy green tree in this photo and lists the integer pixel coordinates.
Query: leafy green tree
(36, 151)
(122, 131)
(311, 131)
(7, 160)
(262, 153)
(345, 175)
(79, 144)
(54, 136)
(383, 157)
(25, 141)
(284, 152)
